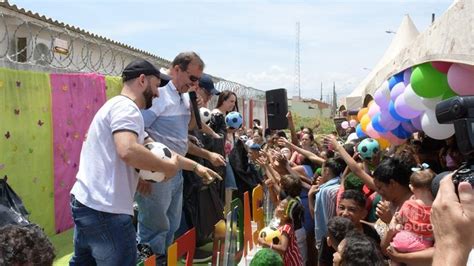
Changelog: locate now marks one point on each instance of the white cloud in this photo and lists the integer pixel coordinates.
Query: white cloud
(119, 31)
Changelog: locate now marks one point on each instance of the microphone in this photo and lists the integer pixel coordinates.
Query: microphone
(193, 98)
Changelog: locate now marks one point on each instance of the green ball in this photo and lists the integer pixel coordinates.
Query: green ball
(427, 82)
(265, 257)
(368, 148)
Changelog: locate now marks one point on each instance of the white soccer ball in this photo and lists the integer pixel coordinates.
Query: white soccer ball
(205, 114)
(244, 138)
(161, 151)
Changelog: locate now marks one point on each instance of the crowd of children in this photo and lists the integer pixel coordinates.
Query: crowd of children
(355, 211)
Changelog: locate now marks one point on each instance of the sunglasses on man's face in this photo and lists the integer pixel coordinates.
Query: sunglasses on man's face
(192, 77)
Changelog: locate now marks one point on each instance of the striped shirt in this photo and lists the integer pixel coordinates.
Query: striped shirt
(292, 255)
(167, 120)
(325, 207)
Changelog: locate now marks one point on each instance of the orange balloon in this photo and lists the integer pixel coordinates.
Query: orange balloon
(383, 143)
(361, 113)
(364, 122)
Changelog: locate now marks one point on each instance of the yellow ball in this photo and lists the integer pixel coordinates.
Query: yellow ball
(270, 235)
(219, 230)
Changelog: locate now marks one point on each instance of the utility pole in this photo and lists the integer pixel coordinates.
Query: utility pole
(321, 97)
(297, 61)
(334, 100)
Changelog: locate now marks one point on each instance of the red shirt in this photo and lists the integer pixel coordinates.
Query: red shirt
(416, 218)
(292, 255)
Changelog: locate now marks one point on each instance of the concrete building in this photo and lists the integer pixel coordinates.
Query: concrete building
(309, 108)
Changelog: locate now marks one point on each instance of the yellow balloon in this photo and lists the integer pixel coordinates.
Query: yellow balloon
(364, 122)
(383, 143)
(361, 113)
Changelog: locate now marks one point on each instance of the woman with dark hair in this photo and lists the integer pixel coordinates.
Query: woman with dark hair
(227, 102)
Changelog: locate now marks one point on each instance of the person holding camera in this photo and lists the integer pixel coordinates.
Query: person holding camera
(453, 220)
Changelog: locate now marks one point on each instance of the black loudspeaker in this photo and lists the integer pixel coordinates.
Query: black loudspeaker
(277, 108)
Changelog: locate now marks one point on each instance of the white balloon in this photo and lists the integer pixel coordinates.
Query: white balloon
(412, 99)
(433, 129)
(385, 89)
(430, 103)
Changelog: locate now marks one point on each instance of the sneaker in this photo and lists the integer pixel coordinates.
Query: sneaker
(201, 256)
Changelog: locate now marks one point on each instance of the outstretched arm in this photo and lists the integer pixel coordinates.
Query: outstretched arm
(291, 126)
(311, 156)
(353, 165)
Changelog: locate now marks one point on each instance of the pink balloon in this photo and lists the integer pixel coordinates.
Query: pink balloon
(469, 67)
(461, 79)
(397, 90)
(393, 139)
(374, 108)
(353, 123)
(345, 124)
(442, 67)
(371, 131)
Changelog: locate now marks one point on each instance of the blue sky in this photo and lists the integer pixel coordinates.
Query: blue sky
(253, 42)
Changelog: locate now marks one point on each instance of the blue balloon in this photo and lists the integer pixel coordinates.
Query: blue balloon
(394, 114)
(401, 133)
(394, 80)
(376, 124)
(399, 76)
(359, 132)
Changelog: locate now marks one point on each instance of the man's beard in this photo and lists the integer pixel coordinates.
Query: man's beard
(148, 96)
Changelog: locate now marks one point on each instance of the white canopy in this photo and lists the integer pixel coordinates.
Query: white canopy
(449, 39)
(405, 35)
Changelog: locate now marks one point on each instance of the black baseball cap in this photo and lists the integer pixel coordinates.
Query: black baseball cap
(141, 66)
(206, 83)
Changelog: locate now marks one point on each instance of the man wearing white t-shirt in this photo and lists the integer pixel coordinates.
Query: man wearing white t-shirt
(102, 197)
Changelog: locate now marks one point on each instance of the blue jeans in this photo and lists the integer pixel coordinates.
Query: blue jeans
(102, 238)
(159, 214)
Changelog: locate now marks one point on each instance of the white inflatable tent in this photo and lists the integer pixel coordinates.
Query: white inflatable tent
(449, 39)
(404, 36)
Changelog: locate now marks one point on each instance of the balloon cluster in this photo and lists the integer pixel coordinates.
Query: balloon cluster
(406, 102)
(348, 124)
